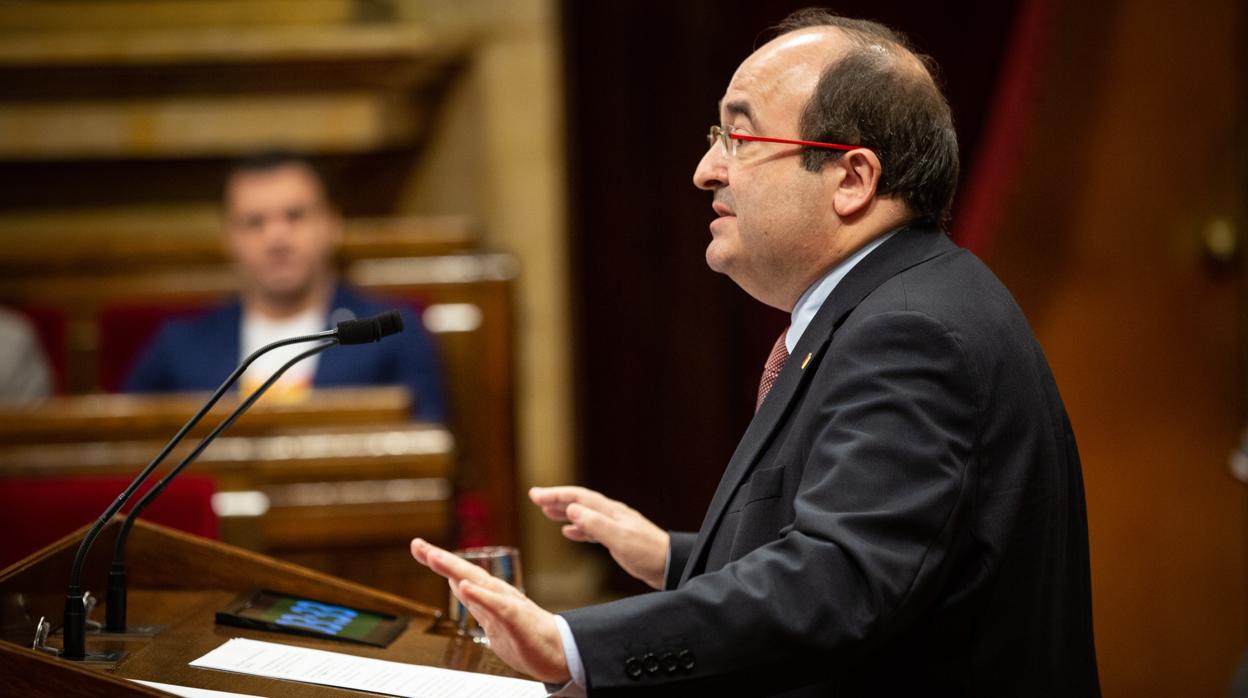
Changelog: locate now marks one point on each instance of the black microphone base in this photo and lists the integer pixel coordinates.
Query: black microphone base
(115, 606)
(132, 632)
(115, 625)
(73, 636)
(74, 628)
(108, 659)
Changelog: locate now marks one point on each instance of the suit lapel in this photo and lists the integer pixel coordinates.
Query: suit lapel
(902, 251)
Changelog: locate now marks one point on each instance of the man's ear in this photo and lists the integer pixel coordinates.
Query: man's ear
(859, 172)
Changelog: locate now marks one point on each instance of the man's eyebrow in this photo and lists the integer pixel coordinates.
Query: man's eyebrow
(738, 107)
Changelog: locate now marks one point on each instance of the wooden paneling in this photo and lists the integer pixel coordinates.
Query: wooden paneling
(478, 365)
(187, 45)
(326, 122)
(341, 482)
(66, 245)
(87, 15)
(133, 417)
(1102, 244)
(198, 91)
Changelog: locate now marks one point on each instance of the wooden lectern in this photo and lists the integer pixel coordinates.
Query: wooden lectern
(180, 581)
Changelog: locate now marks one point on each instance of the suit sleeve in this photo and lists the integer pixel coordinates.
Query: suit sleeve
(886, 477)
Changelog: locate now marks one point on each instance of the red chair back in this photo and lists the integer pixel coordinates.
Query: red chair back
(37, 511)
(126, 330)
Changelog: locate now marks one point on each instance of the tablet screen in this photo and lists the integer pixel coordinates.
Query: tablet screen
(270, 610)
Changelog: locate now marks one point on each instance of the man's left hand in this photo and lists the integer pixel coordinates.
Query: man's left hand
(520, 632)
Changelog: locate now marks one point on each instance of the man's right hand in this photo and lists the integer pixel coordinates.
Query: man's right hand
(637, 545)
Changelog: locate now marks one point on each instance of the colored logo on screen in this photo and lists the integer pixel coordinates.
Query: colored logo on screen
(315, 616)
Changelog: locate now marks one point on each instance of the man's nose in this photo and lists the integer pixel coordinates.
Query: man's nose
(276, 228)
(712, 170)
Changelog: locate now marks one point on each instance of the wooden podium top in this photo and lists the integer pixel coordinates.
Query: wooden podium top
(180, 581)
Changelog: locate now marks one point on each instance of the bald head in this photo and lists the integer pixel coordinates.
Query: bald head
(787, 67)
(874, 90)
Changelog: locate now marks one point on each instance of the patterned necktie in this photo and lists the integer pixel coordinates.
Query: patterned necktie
(771, 370)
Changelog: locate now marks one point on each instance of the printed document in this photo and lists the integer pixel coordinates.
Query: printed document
(189, 692)
(290, 663)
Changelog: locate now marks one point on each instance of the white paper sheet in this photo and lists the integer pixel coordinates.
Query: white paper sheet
(188, 692)
(360, 673)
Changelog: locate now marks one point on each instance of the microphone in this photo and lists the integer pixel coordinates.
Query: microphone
(370, 329)
(116, 600)
(357, 332)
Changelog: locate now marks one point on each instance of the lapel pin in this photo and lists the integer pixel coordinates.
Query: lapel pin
(806, 360)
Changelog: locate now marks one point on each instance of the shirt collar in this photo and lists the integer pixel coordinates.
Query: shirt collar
(810, 302)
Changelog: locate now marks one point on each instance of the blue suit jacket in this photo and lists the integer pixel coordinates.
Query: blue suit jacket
(198, 353)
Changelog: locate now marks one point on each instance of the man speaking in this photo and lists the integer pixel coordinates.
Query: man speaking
(904, 515)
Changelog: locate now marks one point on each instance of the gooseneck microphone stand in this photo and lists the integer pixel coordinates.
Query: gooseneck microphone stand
(349, 332)
(116, 599)
(75, 604)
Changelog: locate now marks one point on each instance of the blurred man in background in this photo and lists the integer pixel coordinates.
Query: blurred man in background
(281, 232)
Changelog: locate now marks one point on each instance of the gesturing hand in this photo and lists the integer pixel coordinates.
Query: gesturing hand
(637, 545)
(520, 632)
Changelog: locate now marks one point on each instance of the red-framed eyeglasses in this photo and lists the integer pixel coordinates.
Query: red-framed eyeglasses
(729, 138)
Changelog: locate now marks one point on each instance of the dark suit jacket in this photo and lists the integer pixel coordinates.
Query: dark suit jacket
(198, 353)
(903, 517)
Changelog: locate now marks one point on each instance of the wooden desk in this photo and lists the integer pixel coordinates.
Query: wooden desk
(85, 418)
(180, 581)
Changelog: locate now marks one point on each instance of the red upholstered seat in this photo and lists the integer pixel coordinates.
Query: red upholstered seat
(37, 511)
(126, 330)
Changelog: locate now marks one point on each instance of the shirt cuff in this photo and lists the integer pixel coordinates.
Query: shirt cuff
(576, 687)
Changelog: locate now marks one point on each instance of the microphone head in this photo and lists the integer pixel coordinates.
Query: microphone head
(370, 329)
(390, 322)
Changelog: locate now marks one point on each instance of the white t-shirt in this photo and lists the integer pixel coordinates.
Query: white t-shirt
(259, 331)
